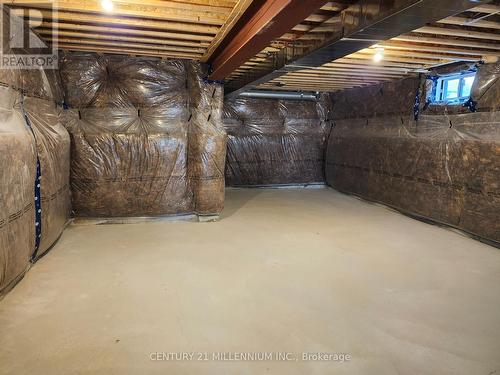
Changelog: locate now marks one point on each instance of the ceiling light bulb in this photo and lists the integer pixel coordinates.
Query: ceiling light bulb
(107, 5)
(379, 55)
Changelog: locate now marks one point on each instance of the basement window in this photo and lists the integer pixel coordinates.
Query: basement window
(454, 88)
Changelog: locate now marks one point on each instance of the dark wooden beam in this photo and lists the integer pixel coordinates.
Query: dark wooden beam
(266, 21)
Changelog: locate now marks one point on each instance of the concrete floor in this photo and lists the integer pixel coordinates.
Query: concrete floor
(284, 271)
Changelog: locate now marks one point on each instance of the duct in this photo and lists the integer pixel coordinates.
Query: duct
(280, 95)
(363, 24)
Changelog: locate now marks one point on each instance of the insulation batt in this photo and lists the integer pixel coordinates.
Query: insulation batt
(30, 93)
(19, 148)
(53, 149)
(275, 141)
(444, 167)
(17, 177)
(147, 137)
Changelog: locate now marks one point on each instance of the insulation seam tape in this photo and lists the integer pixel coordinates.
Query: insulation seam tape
(37, 190)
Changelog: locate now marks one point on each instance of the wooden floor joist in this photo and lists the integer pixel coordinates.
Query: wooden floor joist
(447, 41)
(132, 9)
(192, 28)
(435, 43)
(408, 64)
(125, 51)
(136, 46)
(471, 22)
(60, 34)
(457, 32)
(342, 73)
(486, 8)
(109, 20)
(442, 49)
(103, 30)
(421, 54)
(198, 29)
(231, 21)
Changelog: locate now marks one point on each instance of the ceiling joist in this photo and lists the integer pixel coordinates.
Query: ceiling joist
(191, 28)
(294, 54)
(357, 42)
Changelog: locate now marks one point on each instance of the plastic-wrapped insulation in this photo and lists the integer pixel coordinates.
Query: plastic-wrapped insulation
(445, 167)
(17, 177)
(34, 161)
(147, 139)
(275, 141)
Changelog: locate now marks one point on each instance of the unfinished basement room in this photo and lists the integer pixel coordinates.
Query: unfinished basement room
(250, 187)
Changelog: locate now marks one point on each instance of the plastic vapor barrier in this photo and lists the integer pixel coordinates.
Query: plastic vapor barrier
(275, 141)
(486, 88)
(17, 212)
(444, 166)
(34, 161)
(147, 138)
(53, 149)
(21, 147)
(207, 142)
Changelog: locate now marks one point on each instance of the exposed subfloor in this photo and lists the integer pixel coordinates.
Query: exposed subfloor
(284, 271)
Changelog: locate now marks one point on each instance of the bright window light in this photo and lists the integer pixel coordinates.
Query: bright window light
(107, 5)
(451, 88)
(467, 85)
(454, 88)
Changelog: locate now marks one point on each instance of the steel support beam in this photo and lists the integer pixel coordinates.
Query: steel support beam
(264, 21)
(363, 24)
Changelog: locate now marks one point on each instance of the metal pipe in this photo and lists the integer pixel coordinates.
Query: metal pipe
(280, 95)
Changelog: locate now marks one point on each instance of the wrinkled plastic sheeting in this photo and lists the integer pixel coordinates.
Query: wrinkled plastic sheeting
(445, 167)
(147, 138)
(392, 98)
(486, 88)
(19, 148)
(124, 164)
(31, 94)
(207, 141)
(119, 82)
(34, 82)
(53, 149)
(17, 177)
(275, 141)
